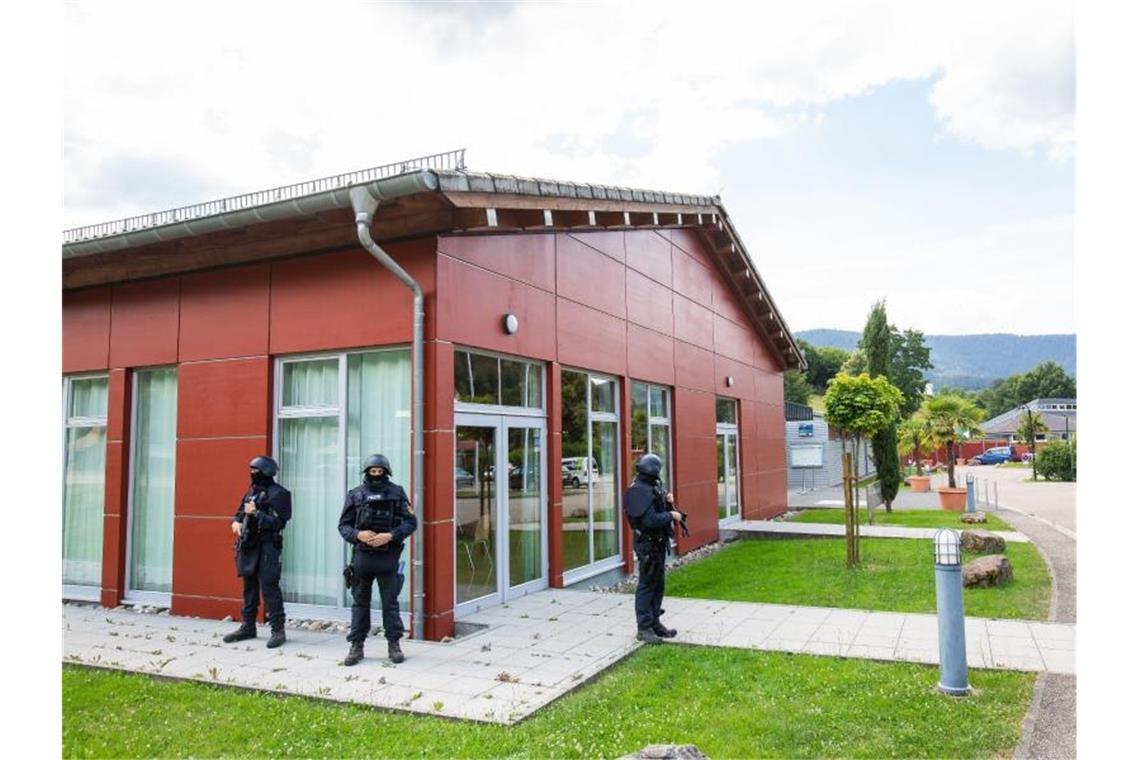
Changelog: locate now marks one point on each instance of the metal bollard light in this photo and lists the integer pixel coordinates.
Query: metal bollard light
(971, 497)
(951, 613)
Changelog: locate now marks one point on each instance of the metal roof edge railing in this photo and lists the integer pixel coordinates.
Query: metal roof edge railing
(453, 160)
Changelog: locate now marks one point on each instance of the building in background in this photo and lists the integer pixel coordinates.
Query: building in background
(1058, 414)
(568, 329)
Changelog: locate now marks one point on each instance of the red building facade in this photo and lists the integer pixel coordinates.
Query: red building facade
(249, 344)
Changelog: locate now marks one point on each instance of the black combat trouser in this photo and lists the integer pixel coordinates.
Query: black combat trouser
(382, 567)
(650, 581)
(266, 579)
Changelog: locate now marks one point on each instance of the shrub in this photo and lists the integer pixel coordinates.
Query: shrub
(1057, 460)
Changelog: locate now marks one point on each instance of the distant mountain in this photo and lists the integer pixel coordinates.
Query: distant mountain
(973, 361)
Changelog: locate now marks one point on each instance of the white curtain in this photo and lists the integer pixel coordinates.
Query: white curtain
(152, 496)
(83, 472)
(380, 422)
(311, 468)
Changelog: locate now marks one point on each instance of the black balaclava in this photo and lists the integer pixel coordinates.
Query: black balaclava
(375, 483)
(259, 478)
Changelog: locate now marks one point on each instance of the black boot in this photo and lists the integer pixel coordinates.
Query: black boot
(355, 653)
(276, 639)
(648, 636)
(663, 632)
(247, 631)
(394, 653)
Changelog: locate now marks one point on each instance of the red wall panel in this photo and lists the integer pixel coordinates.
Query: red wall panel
(651, 254)
(224, 398)
(695, 367)
(144, 323)
(648, 303)
(692, 322)
(346, 299)
(610, 243)
(527, 258)
(691, 278)
(650, 355)
(589, 277)
(86, 330)
(743, 386)
(589, 339)
(204, 559)
(473, 303)
(213, 473)
(224, 314)
(732, 340)
(695, 413)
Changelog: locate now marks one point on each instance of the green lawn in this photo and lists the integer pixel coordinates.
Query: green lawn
(908, 518)
(896, 574)
(730, 703)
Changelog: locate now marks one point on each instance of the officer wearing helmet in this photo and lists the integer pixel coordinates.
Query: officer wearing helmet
(260, 517)
(651, 514)
(376, 521)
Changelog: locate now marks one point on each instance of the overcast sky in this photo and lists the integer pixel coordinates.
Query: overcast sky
(922, 153)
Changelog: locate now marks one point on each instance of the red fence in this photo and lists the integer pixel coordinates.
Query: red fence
(969, 449)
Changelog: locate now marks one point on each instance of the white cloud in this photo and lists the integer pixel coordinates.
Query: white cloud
(233, 98)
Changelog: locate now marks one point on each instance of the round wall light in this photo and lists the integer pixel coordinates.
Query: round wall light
(728, 381)
(511, 324)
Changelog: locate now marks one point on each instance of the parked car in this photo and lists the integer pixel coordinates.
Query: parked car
(996, 455)
(576, 469)
(463, 479)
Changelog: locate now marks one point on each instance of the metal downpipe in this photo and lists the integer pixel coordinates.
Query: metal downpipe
(365, 203)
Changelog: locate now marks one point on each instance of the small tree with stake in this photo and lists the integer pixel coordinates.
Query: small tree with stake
(860, 406)
(1028, 426)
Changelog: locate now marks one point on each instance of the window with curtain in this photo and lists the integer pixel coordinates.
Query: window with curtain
(333, 412)
(152, 486)
(85, 451)
(591, 513)
(651, 426)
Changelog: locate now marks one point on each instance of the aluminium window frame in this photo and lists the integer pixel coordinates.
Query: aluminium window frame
(76, 591)
(730, 429)
(659, 422)
(503, 409)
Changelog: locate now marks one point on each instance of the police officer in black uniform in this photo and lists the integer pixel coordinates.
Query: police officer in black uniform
(257, 525)
(376, 520)
(651, 515)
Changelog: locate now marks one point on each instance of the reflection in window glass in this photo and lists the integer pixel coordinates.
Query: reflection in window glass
(602, 393)
(650, 425)
(575, 501)
(476, 378)
(726, 410)
(605, 490)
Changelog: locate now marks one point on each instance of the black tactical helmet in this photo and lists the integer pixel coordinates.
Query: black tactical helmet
(377, 460)
(649, 464)
(264, 465)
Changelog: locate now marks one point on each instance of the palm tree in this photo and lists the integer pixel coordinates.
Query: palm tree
(950, 419)
(1028, 426)
(914, 438)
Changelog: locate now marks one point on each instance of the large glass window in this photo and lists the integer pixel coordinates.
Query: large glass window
(332, 412)
(152, 476)
(84, 461)
(591, 492)
(728, 459)
(497, 381)
(651, 426)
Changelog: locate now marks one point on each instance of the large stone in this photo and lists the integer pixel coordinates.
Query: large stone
(982, 542)
(990, 570)
(668, 752)
(974, 517)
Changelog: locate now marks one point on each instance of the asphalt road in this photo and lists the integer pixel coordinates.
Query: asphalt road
(1050, 501)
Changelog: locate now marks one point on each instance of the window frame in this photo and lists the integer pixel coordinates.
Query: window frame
(502, 409)
(342, 611)
(73, 590)
(596, 566)
(651, 422)
(733, 429)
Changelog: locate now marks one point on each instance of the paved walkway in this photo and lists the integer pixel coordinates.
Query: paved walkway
(791, 528)
(534, 649)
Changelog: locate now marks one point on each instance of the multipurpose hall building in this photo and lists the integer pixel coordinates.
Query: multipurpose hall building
(563, 330)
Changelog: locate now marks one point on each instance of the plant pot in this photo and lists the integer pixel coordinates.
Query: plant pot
(960, 460)
(919, 483)
(952, 499)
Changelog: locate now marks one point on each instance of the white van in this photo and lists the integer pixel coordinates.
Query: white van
(574, 471)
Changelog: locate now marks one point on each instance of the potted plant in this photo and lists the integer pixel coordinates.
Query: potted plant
(914, 439)
(950, 419)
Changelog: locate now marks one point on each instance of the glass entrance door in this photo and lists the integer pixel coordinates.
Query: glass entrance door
(500, 520)
(728, 489)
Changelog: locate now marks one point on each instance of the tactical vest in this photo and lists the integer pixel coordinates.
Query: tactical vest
(379, 513)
